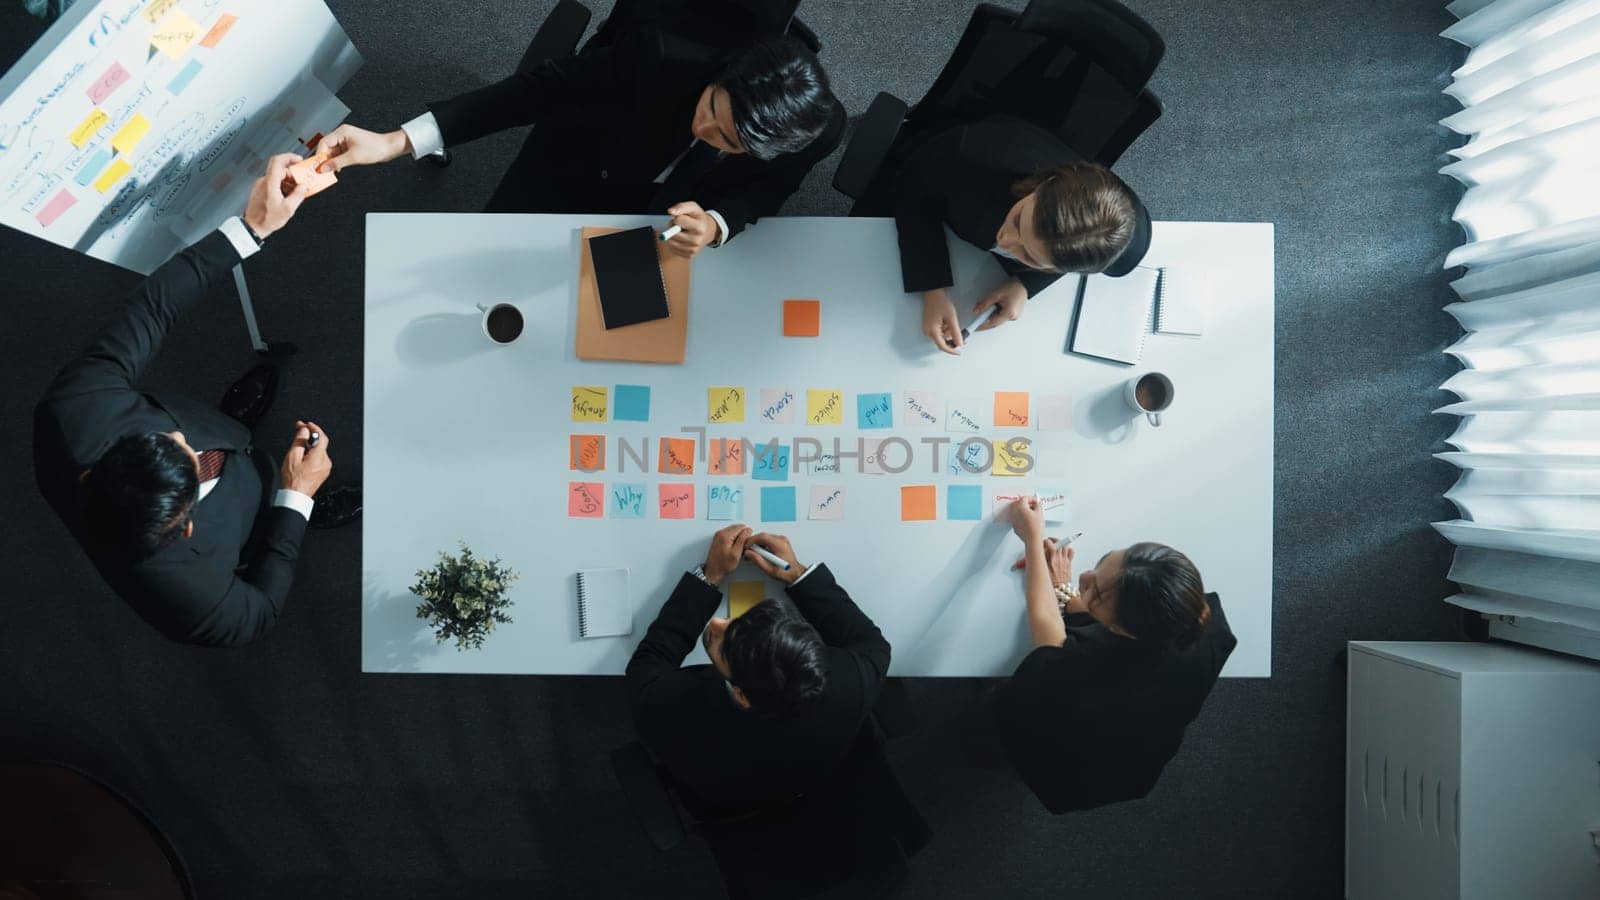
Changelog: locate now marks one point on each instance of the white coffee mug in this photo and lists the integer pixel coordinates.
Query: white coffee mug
(1157, 392)
(513, 323)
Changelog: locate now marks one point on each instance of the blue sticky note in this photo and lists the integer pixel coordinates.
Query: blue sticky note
(777, 504)
(874, 410)
(176, 85)
(625, 501)
(630, 403)
(975, 455)
(91, 169)
(725, 502)
(771, 464)
(964, 501)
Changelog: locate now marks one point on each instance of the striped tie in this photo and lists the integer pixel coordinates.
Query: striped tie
(211, 464)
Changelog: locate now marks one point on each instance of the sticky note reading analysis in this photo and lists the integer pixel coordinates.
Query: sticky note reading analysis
(1011, 409)
(874, 410)
(632, 403)
(963, 502)
(625, 501)
(587, 452)
(586, 500)
(827, 502)
(677, 456)
(824, 407)
(219, 31)
(771, 462)
(676, 501)
(112, 78)
(725, 405)
(963, 415)
(112, 175)
(744, 594)
(724, 502)
(175, 33)
(305, 172)
(777, 406)
(777, 504)
(919, 503)
(725, 456)
(920, 409)
(87, 129)
(802, 318)
(1013, 457)
(1053, 412)
(588, 404)
(60, 203)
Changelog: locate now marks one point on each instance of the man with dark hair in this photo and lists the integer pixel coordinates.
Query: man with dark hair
(643, 120)
(787, 689)
(180, 514)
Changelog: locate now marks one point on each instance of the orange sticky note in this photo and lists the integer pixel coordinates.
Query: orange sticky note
(919, 503)
(219, 30)
(588, 452)
(586, 500)
(677, 456)
(725, 456)
(1011, 409)
(305, 172)
(802, 318)
(744, 594)
(676, 501)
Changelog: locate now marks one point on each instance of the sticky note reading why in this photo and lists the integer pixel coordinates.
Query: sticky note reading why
(677, 501)
(305, 172)
(874, 410)
(1011, 409)
(1013, 457)
(921, 409)
(625, 501)
(219, 30)
(771, 462)
(963, 502)
(725, 405)
(777, 406)
(824, 407)
(112, 175)
(802, 318)
(1053, 412)
(175, 33)
(587, 452)
(919, 503)
(725, 456)
(586, 500)
(632, 403)
(109, 80)
(86, 129)
(588, 404)
(744, 594)
(724, 502)
(963, 415)
(677, 456)
(827, 502)
(777, 504)
(130, 134)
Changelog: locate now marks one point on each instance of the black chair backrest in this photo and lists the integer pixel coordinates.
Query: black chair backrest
(708, 28)
(1112, 35)
(1147, 109)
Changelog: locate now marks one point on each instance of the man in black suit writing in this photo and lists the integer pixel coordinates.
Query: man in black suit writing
(180, 514)
(786, 692)
(642, 121)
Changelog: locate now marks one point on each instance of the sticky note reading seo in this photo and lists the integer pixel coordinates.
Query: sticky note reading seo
(725, 405)
(777, 406)
(921, 409)
(770, 462)
(824, 407)
(827, 502)
(586, 500)
(587, 452)
(588, 404)
(744, 594)
(1013, 457)
(802, 318)
(632, 403)
(1011, 409)
(87, 129)
(677, 456)
(625, 501)
(919, 503)
(676, 501)
(964, 502)
(874, 410)
(175, 33)
(725, 456)
(777, 504)
(724, 502)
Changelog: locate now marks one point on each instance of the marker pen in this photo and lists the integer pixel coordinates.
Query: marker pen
(771, 557)
(671, 233)
(966, 333)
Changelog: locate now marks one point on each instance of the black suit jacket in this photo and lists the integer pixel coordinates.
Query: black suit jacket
(1095, 720)
(961, 175)
(731, 759)
(609, 120)
(203, 589)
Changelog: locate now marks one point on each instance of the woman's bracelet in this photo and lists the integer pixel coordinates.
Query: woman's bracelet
(1065, 594)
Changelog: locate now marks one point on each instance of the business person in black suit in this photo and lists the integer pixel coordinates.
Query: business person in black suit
(640, 125)
(181, 514)
(1122, 662)
(1007, 186)
(786, 692)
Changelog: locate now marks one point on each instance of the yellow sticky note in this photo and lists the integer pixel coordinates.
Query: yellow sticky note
(824, 407)
(588, 404)
(111, 175)
(744, 594)
(157, 9)
(130, 134)
(175, 33)
(726, 404)
(87, 128)
(1013, 456)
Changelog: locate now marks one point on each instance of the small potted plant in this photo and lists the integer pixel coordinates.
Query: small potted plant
(464, 597)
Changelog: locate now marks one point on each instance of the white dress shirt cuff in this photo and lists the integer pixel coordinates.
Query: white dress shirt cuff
(424, 134)
(722, 229)
(233, 228)
(804, 574)
(295, 500)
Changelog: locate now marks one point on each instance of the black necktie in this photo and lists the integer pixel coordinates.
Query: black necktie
(680, 185)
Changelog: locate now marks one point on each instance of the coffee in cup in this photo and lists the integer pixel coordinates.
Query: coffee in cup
(1151, 394)
(502, 322)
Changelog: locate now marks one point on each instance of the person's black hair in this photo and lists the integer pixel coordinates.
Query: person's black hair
(779, 96)
(775, 657)
(139, 494)
(1160, 596)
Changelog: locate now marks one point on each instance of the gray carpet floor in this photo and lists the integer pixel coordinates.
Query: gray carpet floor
(280, 771)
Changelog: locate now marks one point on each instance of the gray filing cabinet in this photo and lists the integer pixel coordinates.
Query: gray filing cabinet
(1472, 771)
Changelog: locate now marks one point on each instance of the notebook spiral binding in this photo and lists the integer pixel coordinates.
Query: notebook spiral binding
(583, 607)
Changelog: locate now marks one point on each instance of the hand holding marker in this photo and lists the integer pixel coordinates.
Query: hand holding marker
(966, 333)
(1023, 563)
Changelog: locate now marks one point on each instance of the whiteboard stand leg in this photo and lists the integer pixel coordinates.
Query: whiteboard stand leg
(274, 350)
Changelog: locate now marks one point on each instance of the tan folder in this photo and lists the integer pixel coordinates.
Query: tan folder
(661, 341)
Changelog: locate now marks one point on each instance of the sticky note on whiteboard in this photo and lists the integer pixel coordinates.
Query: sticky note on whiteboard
(824, 407)
(744, 594)
(130, 134)
(91, 124)
(112, 175)
(109, 80)
(175, 33)
(176, 85)
(219, 30)
(59, 204)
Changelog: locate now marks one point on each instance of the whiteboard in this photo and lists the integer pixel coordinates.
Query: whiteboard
(134, 127)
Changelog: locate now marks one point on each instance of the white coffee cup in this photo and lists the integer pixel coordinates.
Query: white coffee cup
(507, 322)
(1150, 393)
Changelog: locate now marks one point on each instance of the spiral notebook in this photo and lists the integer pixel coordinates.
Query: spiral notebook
(604, 609)
(1114, 316)
(627, 269)
(1183, 302)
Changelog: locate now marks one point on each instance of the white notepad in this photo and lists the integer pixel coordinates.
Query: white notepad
(1114, 317)
(604, 609)
(1183, 301)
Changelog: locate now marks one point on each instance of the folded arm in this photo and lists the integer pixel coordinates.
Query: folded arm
(841, 623)
(672, 635)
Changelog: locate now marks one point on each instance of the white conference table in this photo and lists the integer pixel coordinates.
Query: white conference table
(468, 441)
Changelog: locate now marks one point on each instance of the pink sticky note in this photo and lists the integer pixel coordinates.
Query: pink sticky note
(58, 204)
(586, 499)
(109, 80)
(677, 501)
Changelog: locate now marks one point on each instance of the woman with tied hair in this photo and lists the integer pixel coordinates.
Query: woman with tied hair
(1122, 662)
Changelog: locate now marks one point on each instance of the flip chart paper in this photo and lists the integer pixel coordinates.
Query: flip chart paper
(802, 318)
(677, 501)
(219, 31)
(175, 33)
(874, 410)
(305, 172)
(744, 594)
(827, 502)
(1011, 409)
(130, 134)
(586, 500)
(91, 124)
(919, 503)
(770, 463)
(725, 502)
(588, 404)
(777, 504)
(725, 456)
(964, 502)
(112, 78)
(632, 403)
(963, 415)
(587, 452)
(625, 501)
(1053, 412)
(725, 405)
(920, 409)
(1012, 457)
(970, 458)
(111, 175)
(824, 407)
(777, 406)
(677, 456)
(60, 203)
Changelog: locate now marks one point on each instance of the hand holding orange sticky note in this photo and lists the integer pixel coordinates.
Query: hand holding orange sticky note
(306, 172)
